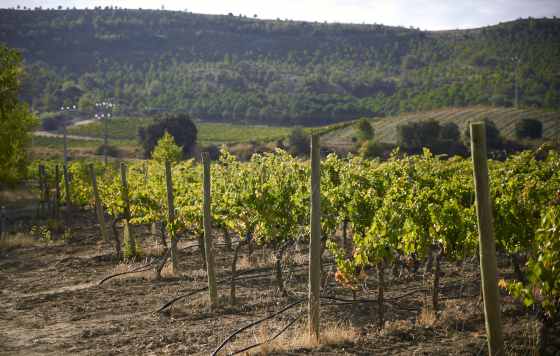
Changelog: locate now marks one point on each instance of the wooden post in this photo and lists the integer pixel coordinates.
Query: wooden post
(105, 138)
(98, 205)
(56, 203)
(488, 268)
(171, 217)
(213, 292)
(315, 241)
(42, 190)
(3, 224)
(128, 238)
(65, 173)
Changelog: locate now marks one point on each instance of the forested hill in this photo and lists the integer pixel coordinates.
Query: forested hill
(243, 69)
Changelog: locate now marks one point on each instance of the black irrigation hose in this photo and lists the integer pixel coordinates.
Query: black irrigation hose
(270, 339)
(168, 304)
(193, 292)
(256, 322)
(237, 278)
(139, 269)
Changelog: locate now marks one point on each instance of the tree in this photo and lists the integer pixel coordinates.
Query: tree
(493, 138)
(167, 150)
(52, 121)
(298, 142)
(528, 128)
(450, 131)
(418, 134)
(365, 129)
(16, 121)
(180, 126)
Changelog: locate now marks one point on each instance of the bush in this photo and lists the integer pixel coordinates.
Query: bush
(450, 131)
(418, 134)
(493, 138)
(529, 128)
(298, 142)
(179, 126)
(373, 149)
(167, 149)
(365, 129)
(52, 121)
(112, 151)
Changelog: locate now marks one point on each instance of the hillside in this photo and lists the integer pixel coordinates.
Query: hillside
(505, 119)
(239, 69)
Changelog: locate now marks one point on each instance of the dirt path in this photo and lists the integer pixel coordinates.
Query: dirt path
(52, 305)
(70, 137)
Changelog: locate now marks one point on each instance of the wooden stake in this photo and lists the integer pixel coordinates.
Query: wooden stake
(65, 173)
(42, 189)
(171, 216)
(315, 241)
(128, 238)
(213, 292)
(3, 225)
(488, 268)
(56, 202)
(98, 205)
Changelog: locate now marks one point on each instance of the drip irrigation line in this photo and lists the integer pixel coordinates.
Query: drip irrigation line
(272, 338)
(202, 289)
(136, 270)
(168, 304)
(227, 279)
(256, 322)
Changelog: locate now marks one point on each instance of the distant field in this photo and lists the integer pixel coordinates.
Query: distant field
(505, 119)
(217, 133)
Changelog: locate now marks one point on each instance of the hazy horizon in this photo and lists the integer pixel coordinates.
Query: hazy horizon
(423, 14)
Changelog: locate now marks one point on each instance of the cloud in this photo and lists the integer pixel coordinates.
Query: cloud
(425, 14)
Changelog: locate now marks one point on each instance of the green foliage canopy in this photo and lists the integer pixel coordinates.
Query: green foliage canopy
(15, 119)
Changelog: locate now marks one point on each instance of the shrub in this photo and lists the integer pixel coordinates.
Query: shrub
(493, 138)
(529, 128)
(167, 149)
(112, 151)
(450, 131)
(365, 129)
(298, 142)
(52, 121)
(180, 126)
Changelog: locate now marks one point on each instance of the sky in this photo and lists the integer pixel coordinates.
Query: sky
(423, 14)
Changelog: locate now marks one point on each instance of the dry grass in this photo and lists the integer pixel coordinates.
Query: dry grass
(256, 260)
(427, 317)
(397, 327)
(18, 240)
(299, 339)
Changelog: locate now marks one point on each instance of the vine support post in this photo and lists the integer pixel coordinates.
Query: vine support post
(42, 190)
(98, 205)
(171, 216)
(3, 224)
(65, 169)
(488, 267)
(315, 241)
(56, 202)
(128, 238)
(212, 290)
(105, 138)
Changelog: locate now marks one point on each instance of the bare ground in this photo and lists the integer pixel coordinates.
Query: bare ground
(51, 304)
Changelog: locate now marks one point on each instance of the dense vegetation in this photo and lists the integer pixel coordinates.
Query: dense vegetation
(283, 72)
(15, 119)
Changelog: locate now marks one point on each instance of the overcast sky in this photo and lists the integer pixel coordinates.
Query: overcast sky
(425, 14)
